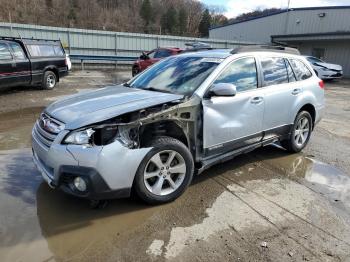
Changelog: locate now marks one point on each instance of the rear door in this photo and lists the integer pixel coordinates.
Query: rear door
(7, 67)
(280, 91)
(23, 71)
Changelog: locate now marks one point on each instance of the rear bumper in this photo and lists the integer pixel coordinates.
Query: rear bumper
(63, 73)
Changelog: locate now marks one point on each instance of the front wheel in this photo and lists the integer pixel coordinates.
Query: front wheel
(165, 172)
(301, 132)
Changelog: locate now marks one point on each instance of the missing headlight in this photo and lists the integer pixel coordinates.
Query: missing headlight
(105, 136)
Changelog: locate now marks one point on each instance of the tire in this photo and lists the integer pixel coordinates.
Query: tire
(135, 71)
(297, 142)
(152, 182)
(49, 80)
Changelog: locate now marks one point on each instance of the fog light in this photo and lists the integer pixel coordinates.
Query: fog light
(79, 184)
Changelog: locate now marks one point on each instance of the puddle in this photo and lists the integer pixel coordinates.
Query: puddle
(277, 192)
(16, 127)
(44, 224)
(33, 216)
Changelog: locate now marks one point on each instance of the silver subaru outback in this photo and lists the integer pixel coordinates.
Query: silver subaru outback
(176, 119)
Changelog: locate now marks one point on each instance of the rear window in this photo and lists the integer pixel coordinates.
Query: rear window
(274, 71)
(5, 53)
(301, 71)
(45, 50)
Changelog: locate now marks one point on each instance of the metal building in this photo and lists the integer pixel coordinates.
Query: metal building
(323, 32)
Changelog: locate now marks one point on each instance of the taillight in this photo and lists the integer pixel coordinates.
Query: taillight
(65, 61)
(321, 84)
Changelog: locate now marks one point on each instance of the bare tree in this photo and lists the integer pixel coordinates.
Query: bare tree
(113, 15)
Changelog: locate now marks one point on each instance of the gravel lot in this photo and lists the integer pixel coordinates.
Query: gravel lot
(263, 206)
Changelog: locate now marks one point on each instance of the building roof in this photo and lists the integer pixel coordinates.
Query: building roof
(284, 11)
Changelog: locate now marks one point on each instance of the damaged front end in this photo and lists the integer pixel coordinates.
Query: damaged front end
(178, 119)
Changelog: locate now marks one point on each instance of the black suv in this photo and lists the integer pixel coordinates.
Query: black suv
(31, 62)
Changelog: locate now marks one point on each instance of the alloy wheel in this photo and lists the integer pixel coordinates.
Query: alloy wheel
(302, 131)
(164, 172)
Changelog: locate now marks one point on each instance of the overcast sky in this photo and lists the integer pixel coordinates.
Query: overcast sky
(236, 7)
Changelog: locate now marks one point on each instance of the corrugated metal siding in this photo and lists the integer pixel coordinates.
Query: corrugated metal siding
(94, 42)
(258, 30)
(299, 22)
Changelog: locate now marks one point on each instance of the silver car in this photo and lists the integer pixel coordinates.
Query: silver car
(176, 119)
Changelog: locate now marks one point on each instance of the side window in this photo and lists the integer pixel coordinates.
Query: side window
(274, 71)
(151, 54)
(17, 51)
(41, 50)
(300, 69)
(5, 53)
(47, 50)
(33, 50)
(161, 53)
(291, 76)
(58, 50)
(242, 73)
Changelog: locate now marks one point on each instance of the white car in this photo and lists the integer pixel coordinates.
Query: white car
(68, 62)
(325, 70)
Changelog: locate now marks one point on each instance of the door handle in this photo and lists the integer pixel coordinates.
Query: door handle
(296, 91)
(256, 100)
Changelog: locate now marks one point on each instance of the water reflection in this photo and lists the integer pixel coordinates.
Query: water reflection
(16, 127)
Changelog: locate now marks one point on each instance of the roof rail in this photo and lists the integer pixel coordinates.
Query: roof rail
(198, 45)
(266, 48)
(22, 38)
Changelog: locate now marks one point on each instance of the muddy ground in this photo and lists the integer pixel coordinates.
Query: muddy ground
(263, 206)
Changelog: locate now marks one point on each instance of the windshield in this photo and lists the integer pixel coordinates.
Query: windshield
(179, 75)
(314, 59)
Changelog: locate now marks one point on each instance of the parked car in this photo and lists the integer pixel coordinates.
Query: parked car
(149, 58)
(69, 62)
(178, 118)
(325, 70)
(31, 62)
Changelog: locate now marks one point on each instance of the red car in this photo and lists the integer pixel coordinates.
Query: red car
(149, 58)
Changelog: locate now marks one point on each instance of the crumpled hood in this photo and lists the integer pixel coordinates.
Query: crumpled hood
(330, 66)
(88, 108)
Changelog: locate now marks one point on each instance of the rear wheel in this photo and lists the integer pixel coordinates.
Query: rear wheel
(165, 172)
(49, 80)
(301, 133)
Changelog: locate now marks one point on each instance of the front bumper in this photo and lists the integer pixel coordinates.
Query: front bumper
(330, 75)
(108, 170)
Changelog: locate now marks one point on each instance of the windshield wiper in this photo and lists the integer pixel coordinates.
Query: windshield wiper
(126, 85)
(157, 90)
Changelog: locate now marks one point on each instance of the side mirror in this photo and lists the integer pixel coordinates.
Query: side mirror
(223, 89)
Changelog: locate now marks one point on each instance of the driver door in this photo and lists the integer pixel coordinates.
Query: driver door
(232, 122)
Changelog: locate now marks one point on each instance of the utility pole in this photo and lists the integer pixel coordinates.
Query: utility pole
(10, 19)
(287, 18)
